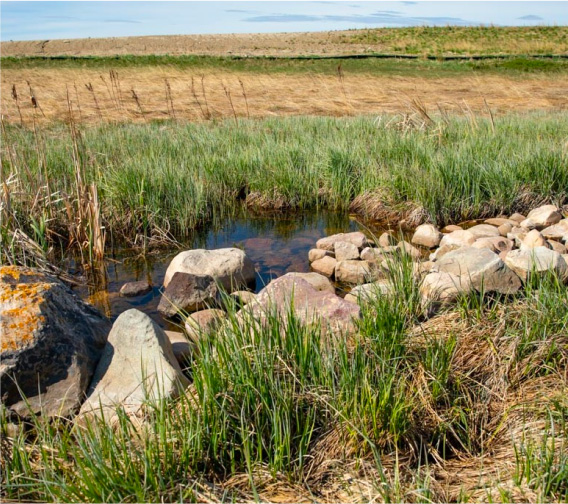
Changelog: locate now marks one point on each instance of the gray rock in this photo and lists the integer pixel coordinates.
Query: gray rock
(132, 289)
(50, 346)
(137, 367)
(325, 266)
(442, 251)
(181, 347)
(483, 268)
(536, 261)
(545, 216)
(188, 292)
(356, 238)
(427, 235)
(230, 267)
(345, 251)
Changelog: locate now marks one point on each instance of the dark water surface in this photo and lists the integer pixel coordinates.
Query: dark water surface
(276, 244)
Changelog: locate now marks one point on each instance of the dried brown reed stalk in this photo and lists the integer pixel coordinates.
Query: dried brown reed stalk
(34, 100)
(491, 118)
(205, 97)
(136, 98)
(17, 102)
(115, 84)
(228, 95)
(110, 92)
(169, 99)
(78, 101)
(245, 97)
(91, 90)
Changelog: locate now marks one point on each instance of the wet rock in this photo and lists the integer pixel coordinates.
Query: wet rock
(484, 231)
(310, 306)
(353, 272)
(544, 216)
(356, 238)
(484, 269)
(444, 287)
(427, 235)
(536, 261)
(325, 266)
(137, 366)
(317, 281)
(203, 321)
(370, 291)
(188, 292)
(458, 238)
(495, 244)
(345, 251)
(533, 239)
(387, 240)
(230, 267)
(133, 289)
(316, 254)
(51, 343)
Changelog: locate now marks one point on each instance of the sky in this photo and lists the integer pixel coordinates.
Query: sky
(22, 20)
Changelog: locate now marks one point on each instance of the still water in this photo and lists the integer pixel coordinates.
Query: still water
(276, 244)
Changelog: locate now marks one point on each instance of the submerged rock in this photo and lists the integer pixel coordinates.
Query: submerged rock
(133, 289)
(137, 367)
(51, 343)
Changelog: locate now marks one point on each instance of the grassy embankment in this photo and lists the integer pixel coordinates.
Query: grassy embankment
(470, 405)
(169, 178)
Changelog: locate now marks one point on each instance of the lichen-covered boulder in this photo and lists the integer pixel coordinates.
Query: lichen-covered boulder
(51, 343)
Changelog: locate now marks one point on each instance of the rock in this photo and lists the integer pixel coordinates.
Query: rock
(345, 251)
(421, 268)
(458, 238)
(498, 221)
(374, 255)
(533, 239)
(188, 292)
(528, 224)
(132, 289)
(369, 291)
(230, 267)
(517, 217)
(557, 231)
(315, 254)
(451, 228)
(137, 367)
(556, 246)
(181, 347)
(484, 231)
(409, 249)
(544, 216)
(536, 261)
(317, 281)
(243, 297)
(353, 272)
(442, 251)
(50, 346)
(356, 238)
(310, 306)
(444, 287)
(387, 240)
(325, 266)
(484, 268)
(427, 235)
(505, 229)
(203, 321)
(517, 234)
(495, 244)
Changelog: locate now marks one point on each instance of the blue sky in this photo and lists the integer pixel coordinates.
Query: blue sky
(56, 20)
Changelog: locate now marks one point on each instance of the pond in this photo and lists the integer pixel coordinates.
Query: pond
(277, 244)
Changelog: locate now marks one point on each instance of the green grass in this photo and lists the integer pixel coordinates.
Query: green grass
(181, 176)
(281, 403)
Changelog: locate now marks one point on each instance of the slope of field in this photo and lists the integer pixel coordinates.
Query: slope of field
(416, 40)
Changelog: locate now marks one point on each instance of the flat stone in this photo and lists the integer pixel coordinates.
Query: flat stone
(499, 221)
(137, 367)
(427, 235)
(345, 251)
(317, 281)
(444, 287)
(325, 266)
(459, 238)
(483, 231)
(133, 289)
(545, 216)
(484, 268)
(536, 261)
(51, 342)
(353, 272)
(316, 254)
(495, 244)
(557, 231)
(356, 238)
(188, 292)
(230, 267)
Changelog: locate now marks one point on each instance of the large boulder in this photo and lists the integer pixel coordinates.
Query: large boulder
(230, 267)
(310, 305)
(539, 260)
(51, 343)
(485, 270)
(137, 367)
(189, 293)
(356, 238)
(443, 287)
(557, 231)
(544, 216)
(427, 235)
